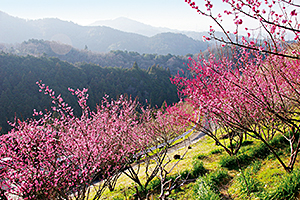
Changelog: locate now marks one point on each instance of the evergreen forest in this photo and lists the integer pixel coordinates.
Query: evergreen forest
(19, 94)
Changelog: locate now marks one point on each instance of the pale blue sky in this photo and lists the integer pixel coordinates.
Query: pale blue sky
(174, 14)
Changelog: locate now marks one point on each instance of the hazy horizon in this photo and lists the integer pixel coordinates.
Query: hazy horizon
(173, 14)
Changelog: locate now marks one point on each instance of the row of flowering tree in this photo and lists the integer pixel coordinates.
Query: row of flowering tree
(156, 161)
(251, 88)
(57, 155)
(256, 100)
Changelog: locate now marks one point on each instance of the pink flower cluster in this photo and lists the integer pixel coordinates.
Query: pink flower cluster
(250, 93)
(58, 155)
(276, 18)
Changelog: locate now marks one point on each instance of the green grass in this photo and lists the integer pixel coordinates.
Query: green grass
(288, 188)
(251, 151)
(246, 183)
(219, 177)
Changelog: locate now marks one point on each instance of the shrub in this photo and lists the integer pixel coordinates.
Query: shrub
(279, 142)
(262, 151)
(246, 155)
(259, 151)
(198, 169)
(244, 143)
(204, 191)
(228, 161)
(253, 184)
(216, 151)
(154, 184)
(231, 162)
(200, 156)
(185, 174)
(118, 198)
(247, 142)
(218, 176)
(244, 159)
(207, 186)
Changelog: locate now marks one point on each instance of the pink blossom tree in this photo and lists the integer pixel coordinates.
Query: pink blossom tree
(246, 96)
(59, 156)
(165, 125)
(253, 89)
(268, 24)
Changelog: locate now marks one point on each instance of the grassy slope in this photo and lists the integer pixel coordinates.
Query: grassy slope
(264, 176)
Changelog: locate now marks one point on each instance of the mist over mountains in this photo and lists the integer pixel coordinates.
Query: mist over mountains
(137, 60)
(128, 25)
(99, 38)
(115, 58)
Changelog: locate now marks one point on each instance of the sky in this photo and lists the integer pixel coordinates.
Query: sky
(175, 14)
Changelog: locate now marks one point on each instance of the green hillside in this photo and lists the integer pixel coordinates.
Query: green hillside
(211, 174)
(19, 94)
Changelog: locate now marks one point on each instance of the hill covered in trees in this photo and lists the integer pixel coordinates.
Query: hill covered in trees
(19, 94)
(116, 58)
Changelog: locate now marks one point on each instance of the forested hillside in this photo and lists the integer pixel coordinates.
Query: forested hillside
(19, 94)
(117, 58)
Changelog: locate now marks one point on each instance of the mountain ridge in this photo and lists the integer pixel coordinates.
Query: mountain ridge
(129, 25)
(96, 38)
(133, 26)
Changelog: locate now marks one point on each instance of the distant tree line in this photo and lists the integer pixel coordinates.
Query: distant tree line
(19, 94)
(115, 58)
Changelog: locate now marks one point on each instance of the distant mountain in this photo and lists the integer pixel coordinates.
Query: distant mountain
(13, 29)
(129, 25)
(95, 38)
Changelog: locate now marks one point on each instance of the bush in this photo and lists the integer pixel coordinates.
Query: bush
(279, 142)
(218, 176)
(262, 151)
(205, 192)
(228, 161)
(207, 186)
(154, 184)
(259, 151)
(231, 162)
(247, 142)
(118, 198)
(216, 151)
(185, 174)
(246, 155)
(244, 159)
(244, 143)
(198, 169)
(200, 156)
(253, 184)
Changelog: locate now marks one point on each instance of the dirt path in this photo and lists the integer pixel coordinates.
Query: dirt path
(195, 137)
